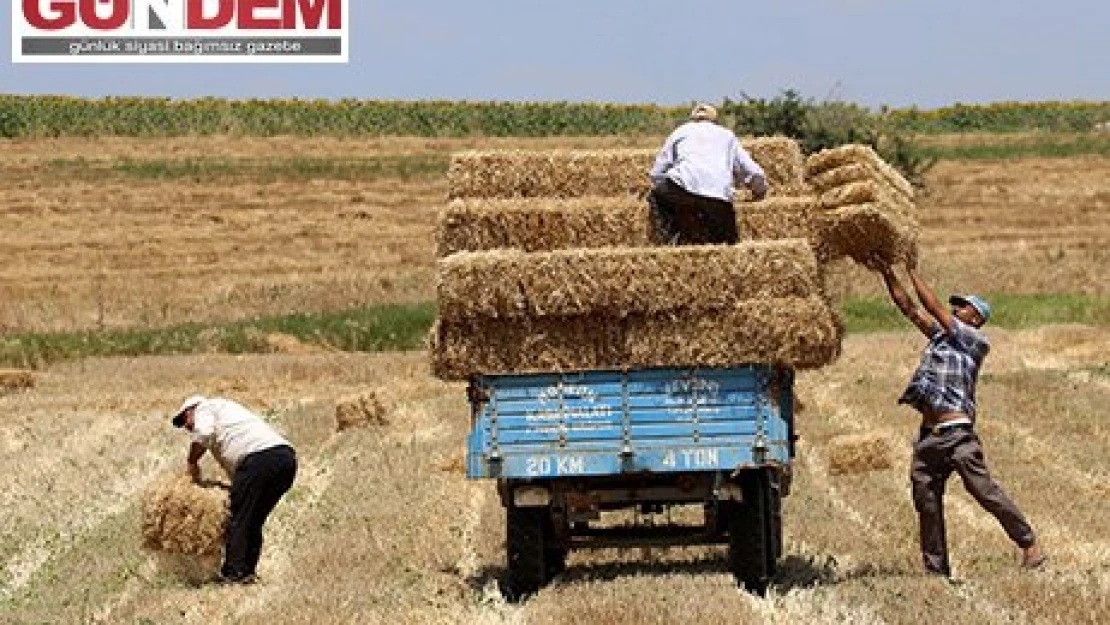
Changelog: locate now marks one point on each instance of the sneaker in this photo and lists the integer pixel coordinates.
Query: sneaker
(1033, 561)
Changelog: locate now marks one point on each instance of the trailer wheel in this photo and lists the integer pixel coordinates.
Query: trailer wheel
(526, 554)
(754, 532)
(555, 555)
(556, 562)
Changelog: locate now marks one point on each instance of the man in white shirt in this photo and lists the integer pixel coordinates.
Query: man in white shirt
(692, 181)
(260, 462)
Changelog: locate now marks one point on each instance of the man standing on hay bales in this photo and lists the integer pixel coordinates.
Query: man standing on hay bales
(262, 466)
(942, 389)
(692, 182)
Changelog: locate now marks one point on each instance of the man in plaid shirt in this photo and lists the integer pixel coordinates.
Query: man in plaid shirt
(942, 389)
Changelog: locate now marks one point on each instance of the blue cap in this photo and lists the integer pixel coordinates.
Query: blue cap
(979, 304)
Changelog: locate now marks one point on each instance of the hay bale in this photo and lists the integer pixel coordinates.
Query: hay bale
(543, 224)
(800, 332)
(859, 453)
(361, 409)
(829, 159)
(466, 347)
(867, 192)
(790, 217)
(859, 232)
(842, 175)
(616, 282)
(796, 217)
(16, 380)
(856, 172)
(612, 172)
(181, 517)
(803, 332)
(548, 173)
(782, 160)
(548, 224)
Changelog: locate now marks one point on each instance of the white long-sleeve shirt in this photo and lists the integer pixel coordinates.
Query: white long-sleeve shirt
(231, 432)
(702, 157)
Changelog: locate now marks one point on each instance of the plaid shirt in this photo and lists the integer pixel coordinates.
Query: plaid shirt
(945, 380)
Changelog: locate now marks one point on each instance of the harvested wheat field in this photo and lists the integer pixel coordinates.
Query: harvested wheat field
(108, 233)
(104, 233)
(139, 233)
(381, 526)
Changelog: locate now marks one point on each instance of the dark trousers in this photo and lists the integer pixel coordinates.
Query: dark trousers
(683, 218)
(935, 457)
(259, 482)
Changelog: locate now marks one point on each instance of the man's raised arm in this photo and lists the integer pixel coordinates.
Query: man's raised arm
(749, 172)
(901, 298)
(928, 298)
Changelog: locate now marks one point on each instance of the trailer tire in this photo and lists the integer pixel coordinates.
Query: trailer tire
(556, 562)
(752, 530)
(555, 555)
(526, 554)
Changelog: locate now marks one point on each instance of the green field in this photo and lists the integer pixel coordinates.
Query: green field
(400, 328)
(59, 116)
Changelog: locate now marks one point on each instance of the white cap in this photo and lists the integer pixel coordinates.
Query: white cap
(704, 112)
(179, 417)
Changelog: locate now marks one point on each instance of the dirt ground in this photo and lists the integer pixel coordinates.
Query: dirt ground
(94, 239)
(381, 526)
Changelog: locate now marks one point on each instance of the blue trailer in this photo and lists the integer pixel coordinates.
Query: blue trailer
(565, 447)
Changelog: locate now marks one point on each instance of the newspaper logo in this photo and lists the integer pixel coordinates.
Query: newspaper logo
(180, 31)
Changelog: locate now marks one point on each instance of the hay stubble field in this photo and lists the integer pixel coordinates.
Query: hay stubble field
(149, 232)
(381, 526)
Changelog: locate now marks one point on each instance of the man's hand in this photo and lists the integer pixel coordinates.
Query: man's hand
(899, 295)
(877, 263)
(194, 472)
(928, 298)
(758, 185)
(911, 260)
(196, 450)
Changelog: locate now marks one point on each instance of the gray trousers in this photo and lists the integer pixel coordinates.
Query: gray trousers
(935, 456)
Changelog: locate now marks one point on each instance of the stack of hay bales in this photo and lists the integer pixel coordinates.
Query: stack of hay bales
(867, 206)
(546, 224)
(583, 173)
(560, 199)
(610, 308)
(547, 264)
(183, 518)
(847, 202)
